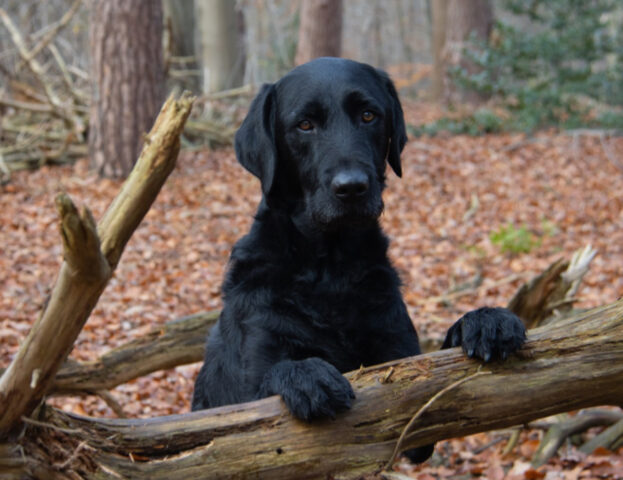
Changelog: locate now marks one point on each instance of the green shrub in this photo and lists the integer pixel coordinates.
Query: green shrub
(567, 71)
(514, 240)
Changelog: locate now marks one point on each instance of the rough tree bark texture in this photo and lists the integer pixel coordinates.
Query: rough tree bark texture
(320, 31)
(566, 366)
(128, 81)
(464, 18)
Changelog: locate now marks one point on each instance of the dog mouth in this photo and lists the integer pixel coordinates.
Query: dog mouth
(352, 216)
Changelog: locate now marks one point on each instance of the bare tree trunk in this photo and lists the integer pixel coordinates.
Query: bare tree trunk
(180, 54)
(320, 32)
(220, 44)
(439, 12)
(465, 18)
(180, 23)
(128, 81)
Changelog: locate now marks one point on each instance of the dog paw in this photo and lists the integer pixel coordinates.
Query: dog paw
(487, 333)
(310, 388)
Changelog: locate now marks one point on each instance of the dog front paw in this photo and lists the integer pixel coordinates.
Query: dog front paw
(487, 333)
(310, 388)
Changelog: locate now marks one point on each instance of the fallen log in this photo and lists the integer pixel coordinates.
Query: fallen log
(175, 343)
(568, 365)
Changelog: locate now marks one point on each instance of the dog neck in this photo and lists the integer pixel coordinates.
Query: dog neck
(296, 230)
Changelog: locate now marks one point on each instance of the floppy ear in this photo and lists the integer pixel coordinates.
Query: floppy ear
(255, 139)
(398, 131)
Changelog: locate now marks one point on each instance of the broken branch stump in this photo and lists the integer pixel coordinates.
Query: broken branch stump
(90, 258)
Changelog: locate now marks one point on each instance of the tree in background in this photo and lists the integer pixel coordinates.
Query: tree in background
(439, 17)
(566, 70)
(128, 81)
(320, 31)
(219, 44)
(180, 54)
(454, 23)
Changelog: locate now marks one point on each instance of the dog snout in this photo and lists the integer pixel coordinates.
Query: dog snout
(348, 185)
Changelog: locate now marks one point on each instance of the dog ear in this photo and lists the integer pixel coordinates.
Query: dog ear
(255, 139)
(398, 131)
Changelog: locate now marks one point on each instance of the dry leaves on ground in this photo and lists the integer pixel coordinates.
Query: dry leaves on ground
(454, 192)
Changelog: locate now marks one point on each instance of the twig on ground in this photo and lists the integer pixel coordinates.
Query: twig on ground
(110, 400)
(71, 458)
(41, 424)
(609, 438)
(512, 441)
(424, 407)
(488, 445)
(560, 431)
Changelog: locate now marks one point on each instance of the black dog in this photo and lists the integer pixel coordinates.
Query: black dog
(310, 291)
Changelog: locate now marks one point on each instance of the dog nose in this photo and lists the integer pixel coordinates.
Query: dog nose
(350, 184)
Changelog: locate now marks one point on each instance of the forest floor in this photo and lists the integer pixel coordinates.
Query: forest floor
(565, 189)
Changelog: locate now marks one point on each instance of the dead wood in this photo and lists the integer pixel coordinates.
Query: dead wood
(58, 107)
(552, 293)
(568, 365)
(175, 343)
(218, 133)
(51, 32)
(559, 432)
(610, 438)
(91, 254)
(54, 106)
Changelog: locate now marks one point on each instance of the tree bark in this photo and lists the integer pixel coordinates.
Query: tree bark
(320, 31)
(464, 18)
(179, 45)
(220, 44)
(439, 14)
(175, 343)
(128, 81)
(565, 366)
(91, 255)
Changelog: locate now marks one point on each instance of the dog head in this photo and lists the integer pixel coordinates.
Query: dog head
(319, 140)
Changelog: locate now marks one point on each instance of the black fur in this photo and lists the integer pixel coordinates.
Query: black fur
(310, 291)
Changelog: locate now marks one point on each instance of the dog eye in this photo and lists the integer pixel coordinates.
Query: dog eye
(368, 116)
(305, 125)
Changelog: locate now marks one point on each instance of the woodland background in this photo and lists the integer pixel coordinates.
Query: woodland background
(514, 161)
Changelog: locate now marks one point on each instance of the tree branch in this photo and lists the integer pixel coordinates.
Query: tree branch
(39, 73)
(175, 343)
(87, 268)
(52, 31)
(568, 365)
